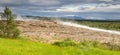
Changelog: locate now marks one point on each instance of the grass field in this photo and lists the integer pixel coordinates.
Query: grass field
(26, 47)
(111, 25)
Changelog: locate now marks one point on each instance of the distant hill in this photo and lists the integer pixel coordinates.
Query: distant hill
(70, 18)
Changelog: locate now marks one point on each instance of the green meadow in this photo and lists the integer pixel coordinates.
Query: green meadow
(26, 47)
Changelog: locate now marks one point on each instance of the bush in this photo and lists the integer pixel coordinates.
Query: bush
(65, 43)
(96, 44)
(115, 47)
(88, 44)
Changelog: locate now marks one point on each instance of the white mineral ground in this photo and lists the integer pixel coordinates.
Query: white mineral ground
(51, 31)
(87, 27)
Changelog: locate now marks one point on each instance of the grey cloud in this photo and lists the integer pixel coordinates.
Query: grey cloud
(52, 2)
(40, 5)
(44, 2)
(28, 2)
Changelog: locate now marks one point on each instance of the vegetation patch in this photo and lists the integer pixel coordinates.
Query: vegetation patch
(111, 25)
(65, 43)
(26, 47)
(8, 26)
(88, 44)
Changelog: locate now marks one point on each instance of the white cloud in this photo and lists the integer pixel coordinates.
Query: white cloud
(106, 0)
(68, 9)
(89, 8)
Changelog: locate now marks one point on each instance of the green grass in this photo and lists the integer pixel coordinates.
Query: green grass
(26, 47)
(102, 24)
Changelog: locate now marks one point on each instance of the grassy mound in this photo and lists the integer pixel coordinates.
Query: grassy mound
(25, 47)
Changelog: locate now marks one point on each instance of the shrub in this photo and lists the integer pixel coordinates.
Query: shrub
(65, 43)
(110, 46)
(89, 43)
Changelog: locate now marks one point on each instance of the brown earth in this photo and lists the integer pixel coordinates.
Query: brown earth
(51, 31)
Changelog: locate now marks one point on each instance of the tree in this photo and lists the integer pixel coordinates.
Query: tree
(8, 26)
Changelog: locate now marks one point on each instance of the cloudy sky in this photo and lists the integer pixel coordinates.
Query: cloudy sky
(30, 7)
(62, 5)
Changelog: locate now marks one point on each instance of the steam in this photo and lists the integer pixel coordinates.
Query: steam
(68, 23)
(23, 18)
(19, 18)
(0, 17)
(87, 27)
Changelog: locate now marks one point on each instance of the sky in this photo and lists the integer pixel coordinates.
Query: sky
(36, 7)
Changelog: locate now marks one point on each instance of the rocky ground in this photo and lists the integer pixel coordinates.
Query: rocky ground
(51, 31)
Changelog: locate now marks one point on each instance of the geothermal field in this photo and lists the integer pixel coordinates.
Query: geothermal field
(50, 31)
